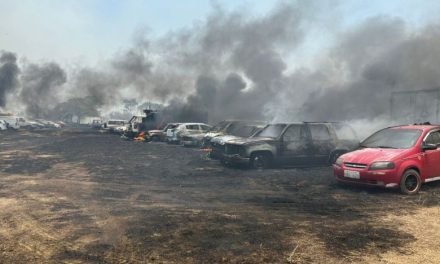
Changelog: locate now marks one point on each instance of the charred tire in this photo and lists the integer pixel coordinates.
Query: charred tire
(410, 182)
(155, 138)
(260, 160)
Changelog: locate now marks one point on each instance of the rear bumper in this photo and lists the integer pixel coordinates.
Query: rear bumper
(379, 178)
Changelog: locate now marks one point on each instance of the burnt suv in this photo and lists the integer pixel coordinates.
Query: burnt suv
(293, 144)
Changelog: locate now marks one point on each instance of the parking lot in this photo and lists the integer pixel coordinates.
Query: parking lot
(81, 196)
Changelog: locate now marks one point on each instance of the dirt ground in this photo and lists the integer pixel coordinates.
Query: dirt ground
(80, 196)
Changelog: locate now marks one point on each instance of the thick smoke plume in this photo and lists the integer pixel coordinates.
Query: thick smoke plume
(8, 75)
(235, 66)
(405, 61)
(40, 88)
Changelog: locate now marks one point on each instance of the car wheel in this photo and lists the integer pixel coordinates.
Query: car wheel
(260, 161)
(155, 138)
(410, 182)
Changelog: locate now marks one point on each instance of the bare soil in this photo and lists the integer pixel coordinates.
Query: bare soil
(81, 196)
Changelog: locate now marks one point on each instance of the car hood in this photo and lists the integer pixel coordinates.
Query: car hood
(250, 141)
(212, 134)
(370, 155)
(223, 139)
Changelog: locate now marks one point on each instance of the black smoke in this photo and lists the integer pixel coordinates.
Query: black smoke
(8, 75)
(40, 87)
(231, 65)
(379, 57)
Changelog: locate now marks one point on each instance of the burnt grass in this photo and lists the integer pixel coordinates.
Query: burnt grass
(100, 199)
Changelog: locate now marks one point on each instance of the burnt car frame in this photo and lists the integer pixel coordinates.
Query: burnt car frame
(226, 127)
(157, 135)
(242, 129)
(293, 144)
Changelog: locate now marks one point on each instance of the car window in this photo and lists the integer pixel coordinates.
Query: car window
(232, 127)
(192, 127)
(244, 131)
(294, 133)
(319, 132)
(271, 131)
(203, 127)
(220, 126)
(433, 138)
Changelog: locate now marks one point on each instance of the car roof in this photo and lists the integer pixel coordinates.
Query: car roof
(194, 124)
(422, 127)
(302, 123)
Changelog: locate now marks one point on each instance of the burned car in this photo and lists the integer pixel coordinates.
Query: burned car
(231, 128)
(113, 126)
(294, 144)
(193, 140)
(234, 132)
(157, 135)
(224, 127)
(181, 132)
(202, 139)
(3, 125)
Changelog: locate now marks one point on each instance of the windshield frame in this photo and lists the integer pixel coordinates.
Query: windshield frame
(220, 126)
(284, 126)
(420, 133)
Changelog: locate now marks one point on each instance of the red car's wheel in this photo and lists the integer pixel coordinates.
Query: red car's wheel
(410, 182)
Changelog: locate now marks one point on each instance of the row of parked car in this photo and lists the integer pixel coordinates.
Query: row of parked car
(14, 122)
(262, 145)
(401, 157)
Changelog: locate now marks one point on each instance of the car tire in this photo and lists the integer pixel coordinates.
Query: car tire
(410, 182)
(260, 161)
(155, 139)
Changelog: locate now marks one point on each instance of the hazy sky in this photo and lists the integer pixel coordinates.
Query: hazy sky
(88, 31)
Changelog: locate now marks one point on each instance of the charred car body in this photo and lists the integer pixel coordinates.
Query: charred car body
(230, 129)
(151, 120)
(113, 125)
(296, 144)
(160, 134)
(227, 127)
(180, 133)
(235, 131)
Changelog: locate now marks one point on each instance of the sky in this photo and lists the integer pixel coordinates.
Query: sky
(90, 31)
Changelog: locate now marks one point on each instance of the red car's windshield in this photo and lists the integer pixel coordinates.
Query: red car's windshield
(392, 138)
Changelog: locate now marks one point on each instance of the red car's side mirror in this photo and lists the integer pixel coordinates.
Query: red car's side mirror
(429, 147)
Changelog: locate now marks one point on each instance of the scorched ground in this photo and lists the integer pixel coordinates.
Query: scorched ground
(80, 196)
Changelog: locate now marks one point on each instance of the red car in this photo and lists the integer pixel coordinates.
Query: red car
(396, 157)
